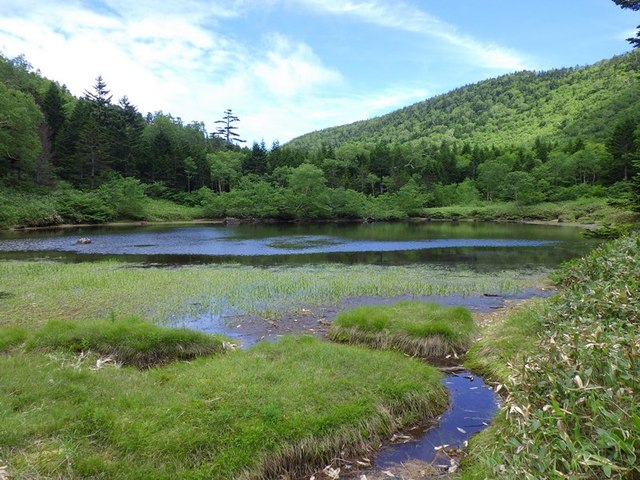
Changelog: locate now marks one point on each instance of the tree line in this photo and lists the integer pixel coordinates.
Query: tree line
(48, 137)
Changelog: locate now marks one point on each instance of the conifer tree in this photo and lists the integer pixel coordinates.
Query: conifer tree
(227, 130)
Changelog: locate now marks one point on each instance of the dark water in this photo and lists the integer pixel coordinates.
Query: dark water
(472, 407)
(471, 244)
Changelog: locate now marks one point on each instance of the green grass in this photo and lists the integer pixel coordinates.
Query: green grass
(507, 340)
(417, 328)
(40, 291)
(158, 210)
(11, 336)
(583, 211)
(277, 408)
(129, 341)
(573, 409)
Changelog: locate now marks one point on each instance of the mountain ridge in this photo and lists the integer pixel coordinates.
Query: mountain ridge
(560, 103)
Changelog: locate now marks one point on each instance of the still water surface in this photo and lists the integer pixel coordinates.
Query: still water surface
(472, 244)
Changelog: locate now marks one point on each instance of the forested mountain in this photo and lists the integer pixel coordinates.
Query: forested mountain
(513, 109)
(527, 138)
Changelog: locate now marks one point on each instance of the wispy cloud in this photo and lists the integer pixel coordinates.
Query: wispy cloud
(403, 16)
(171, 56)
(291, 68)
(178, 57)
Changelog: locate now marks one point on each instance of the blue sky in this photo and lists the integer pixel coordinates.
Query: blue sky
(287, 67)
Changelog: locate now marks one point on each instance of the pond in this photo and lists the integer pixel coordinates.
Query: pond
(475, 245)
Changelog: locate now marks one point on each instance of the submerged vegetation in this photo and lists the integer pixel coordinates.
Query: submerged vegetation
(573, 409)
(416, 328)
(42, 291)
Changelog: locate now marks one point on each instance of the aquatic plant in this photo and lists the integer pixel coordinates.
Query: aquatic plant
(42, 291)
(418, 328)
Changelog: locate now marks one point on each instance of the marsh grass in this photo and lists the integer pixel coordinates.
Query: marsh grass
(508, 339)
(42, 291)
(128, 341)
(278, 408)
(573, 410)
(11, 336)
(417, 328)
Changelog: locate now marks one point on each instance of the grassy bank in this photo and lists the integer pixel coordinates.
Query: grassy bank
(35, 208)
(276, 409)
(32, 293)
(573, 409)
(128, 341)
(417, 328)
(581, 211)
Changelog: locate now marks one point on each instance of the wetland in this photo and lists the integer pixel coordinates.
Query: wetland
(249, 283)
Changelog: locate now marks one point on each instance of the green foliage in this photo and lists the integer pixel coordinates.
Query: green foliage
(308, 196)
(19, 142)
(27, 210)
(124, 196)
(75, 206)
(527, 137)
(573, 410)
(513, 109)
(129, 341)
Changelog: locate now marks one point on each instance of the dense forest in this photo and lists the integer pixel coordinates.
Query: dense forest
(527, 137)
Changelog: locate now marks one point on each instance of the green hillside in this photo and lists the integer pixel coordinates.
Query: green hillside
(513, 109)
(530, 138)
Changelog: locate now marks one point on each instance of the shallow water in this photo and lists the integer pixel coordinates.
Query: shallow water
(471, 244)
(471, 409)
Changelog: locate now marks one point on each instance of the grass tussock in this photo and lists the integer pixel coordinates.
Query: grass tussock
(574, 404)
(277, 408)
(129, 341)
(421, 329)
(11, 336)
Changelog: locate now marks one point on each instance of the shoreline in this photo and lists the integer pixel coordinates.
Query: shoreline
(272, 221)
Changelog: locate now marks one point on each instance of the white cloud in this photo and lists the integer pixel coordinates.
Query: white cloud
(172, 56)
(291, 69)
(402, 16)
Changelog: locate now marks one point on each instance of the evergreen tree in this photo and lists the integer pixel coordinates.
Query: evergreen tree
(100, 94)
(228, 129)
(632, 5)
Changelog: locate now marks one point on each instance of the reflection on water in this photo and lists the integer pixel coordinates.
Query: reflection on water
(471, 244)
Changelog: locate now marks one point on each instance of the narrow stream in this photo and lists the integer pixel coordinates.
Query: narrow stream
(472, 405)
